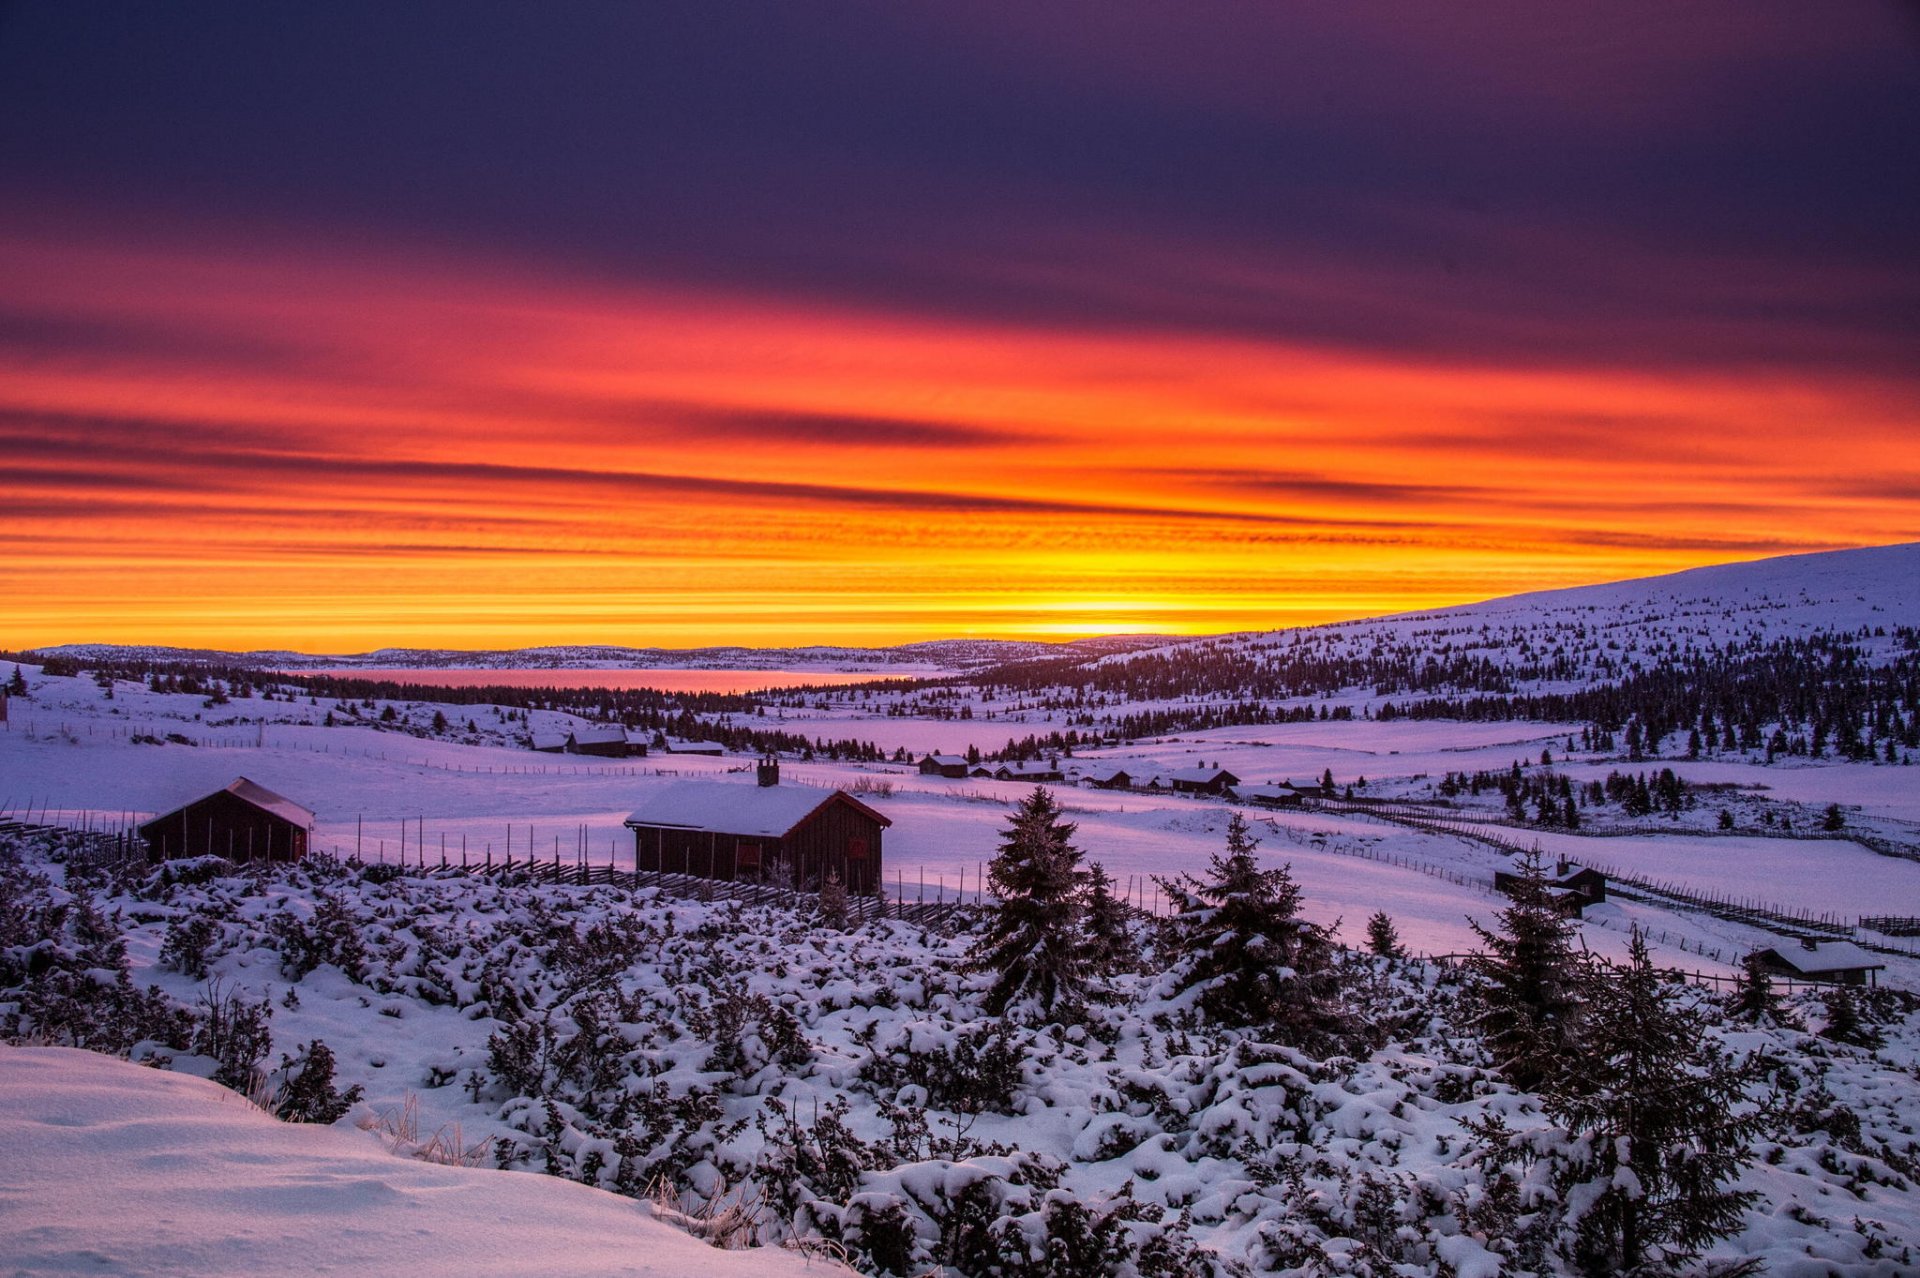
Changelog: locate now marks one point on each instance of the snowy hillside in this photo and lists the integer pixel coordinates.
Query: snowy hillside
(114, 1168)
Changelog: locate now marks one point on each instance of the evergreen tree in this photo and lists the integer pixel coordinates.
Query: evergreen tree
(1663, 1126)
(1383, 938)
(1033, 942)
(17, 686)
(1754, 998)
(1110, 946)
(1530, 981)
(1844, 1023)
(1242, 949)
(833, 902)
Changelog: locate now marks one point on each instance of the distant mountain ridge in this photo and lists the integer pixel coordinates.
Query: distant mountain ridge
(933, 656)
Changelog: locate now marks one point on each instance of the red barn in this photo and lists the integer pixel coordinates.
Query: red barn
(243, 822)
(766, 833)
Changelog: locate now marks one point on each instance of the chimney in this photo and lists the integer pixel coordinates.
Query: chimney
(1808, 943)
(769, 770)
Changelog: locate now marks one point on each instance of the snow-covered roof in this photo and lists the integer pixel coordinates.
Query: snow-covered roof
(614, 735)
(549, 740)
(639, 736)
(728, 807)
(1034, 768)
(1266, 791)
(679, 745)
(1198, 774)
(1825, 956)
(1104, 774)
(949, 760)
(260, 797)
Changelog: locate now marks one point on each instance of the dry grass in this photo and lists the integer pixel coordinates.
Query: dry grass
(400, 1128)
(728, 1219)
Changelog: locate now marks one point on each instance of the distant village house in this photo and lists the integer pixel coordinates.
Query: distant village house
(953, 766)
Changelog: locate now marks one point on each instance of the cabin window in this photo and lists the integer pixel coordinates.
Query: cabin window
(747, 856)
(856, 849)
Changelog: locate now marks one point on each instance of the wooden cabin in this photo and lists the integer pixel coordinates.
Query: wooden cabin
(1805, 959)
(547, 742)
(1268, 796)
(243, 822)
(1201, 781)
(1034, 770)
(1572, 886)
(766, 833)
(952, 766)
(677, 745)
(1107, 778)
(605, 742)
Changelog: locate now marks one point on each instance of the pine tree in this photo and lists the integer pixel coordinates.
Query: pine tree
(1240, 945)
(1110, 946)
(833, 902)
(1033, 942)
(1844, 1023)
(17, 686)
(1754, 998)
(1663, 1126)
(1383, 938)
(1530, 981)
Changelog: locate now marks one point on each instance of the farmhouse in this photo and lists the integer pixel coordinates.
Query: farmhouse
(1107, 778)
(1838, 962)
(944, 765)
(766, 833)
(243, 822)
(1201, 781)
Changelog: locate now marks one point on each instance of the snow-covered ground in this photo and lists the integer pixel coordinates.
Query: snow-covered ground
(113, 1168)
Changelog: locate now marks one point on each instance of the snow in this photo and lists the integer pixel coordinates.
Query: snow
(115, 1168)
(1826, 956)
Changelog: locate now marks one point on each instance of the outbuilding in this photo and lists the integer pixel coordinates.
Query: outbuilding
(1268, 796)
(1806, 959)
(793, 836)
(1035, 770)
(243, 822)
(1107, 778)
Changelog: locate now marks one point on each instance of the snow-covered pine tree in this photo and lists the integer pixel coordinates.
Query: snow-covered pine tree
(1531, 983)
(1754, 998)
(17, 686)
(1033, 941)
(833, 902)
(1383, 938)
(1240, 947)
(1662, 1123)
(1110, 946)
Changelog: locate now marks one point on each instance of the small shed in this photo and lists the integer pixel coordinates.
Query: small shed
(602, 741)
(245, 821)
(765, 833)
(1201, 781)
(953, 766)
(1805, 959)
(1107, 778)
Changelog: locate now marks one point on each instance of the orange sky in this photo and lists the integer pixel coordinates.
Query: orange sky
(305, 445)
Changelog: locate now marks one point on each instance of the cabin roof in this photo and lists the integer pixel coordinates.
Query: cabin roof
(256, 794)
(948, 760)
(547, 740)
(1104, 774)
(1266, 791)
(728, 807)
(600, 735)
(1825, 956)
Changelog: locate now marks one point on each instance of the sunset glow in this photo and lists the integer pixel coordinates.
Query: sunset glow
(232, 428)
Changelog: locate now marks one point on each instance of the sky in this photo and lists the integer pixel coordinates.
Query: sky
(481, 325)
